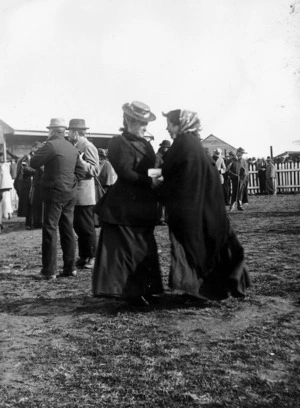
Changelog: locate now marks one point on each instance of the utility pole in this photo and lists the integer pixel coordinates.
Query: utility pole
(271, 152)
(3, 141)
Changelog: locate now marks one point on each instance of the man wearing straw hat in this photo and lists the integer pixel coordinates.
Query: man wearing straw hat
(238, 172)
(271, 177)
(220, 164)
(86, 194)
(163, 148)
(160, 154)
(60, 161)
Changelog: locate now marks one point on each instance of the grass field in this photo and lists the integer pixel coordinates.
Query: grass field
(60, 347)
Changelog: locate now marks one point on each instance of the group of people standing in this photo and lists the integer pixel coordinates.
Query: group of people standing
(234, 176)
(27, 184)
(206, 258)
(267, 176)
(68, 193)
(233, 173)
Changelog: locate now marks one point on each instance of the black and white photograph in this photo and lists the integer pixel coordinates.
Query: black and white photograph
(149, 203)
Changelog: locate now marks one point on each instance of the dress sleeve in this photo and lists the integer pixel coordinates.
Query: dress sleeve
(122, 157)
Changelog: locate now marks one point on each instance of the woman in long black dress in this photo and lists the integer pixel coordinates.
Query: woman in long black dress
(126, 263)
(206, 256)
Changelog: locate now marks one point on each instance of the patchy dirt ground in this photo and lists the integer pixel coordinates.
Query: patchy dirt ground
(61, 347)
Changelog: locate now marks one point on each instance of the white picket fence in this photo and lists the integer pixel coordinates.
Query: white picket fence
(288, 178)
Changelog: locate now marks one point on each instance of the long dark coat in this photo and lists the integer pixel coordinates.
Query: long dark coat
(127, 262)
(238, 171)
(206, 254)
(130, 201)
(22, 184)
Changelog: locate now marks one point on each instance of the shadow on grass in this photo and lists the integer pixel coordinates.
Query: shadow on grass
(13, 226)
(68, 305)
(260, 214)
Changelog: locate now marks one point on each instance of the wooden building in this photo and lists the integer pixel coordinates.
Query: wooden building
(290, 154)
(212, 143)
(16, 143)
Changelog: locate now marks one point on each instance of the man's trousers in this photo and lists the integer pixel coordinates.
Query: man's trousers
(58, 216)
(85, 229)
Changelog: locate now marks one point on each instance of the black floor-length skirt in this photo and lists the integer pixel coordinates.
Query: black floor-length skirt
(126, 262)
(224, 276)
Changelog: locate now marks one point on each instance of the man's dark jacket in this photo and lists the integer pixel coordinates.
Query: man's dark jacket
(60, 159)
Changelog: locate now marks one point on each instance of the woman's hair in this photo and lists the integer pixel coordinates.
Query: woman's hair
(187, 121)
(173, 116)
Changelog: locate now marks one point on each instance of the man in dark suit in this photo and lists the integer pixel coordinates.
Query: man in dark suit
(238, 172)
(60, 160)
(164, 147)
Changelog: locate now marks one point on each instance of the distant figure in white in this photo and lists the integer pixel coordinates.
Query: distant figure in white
(6, 184)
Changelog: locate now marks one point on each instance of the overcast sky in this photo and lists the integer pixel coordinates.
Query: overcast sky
(235, 62)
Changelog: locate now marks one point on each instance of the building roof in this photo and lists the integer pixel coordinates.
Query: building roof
(212, 142)
(15, 136)
(4, 129)
(288, 153)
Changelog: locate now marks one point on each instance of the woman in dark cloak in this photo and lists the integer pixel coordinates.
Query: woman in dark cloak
(28, 187)
(126, 263)
(207, 259)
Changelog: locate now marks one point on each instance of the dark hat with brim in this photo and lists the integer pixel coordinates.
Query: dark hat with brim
(231, 153)
(102, 152)
(37, 144)
(165, 143)
(139, 111)
(241, 150)
(77, 124)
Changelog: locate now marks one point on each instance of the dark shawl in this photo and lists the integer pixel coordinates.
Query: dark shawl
(192, 193)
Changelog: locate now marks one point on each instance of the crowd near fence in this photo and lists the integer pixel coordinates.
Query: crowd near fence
(288, 178)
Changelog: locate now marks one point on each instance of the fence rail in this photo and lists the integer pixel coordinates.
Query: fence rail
(288, 178)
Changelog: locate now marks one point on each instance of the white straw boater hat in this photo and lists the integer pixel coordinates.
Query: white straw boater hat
(138, 111)
(57, 122)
